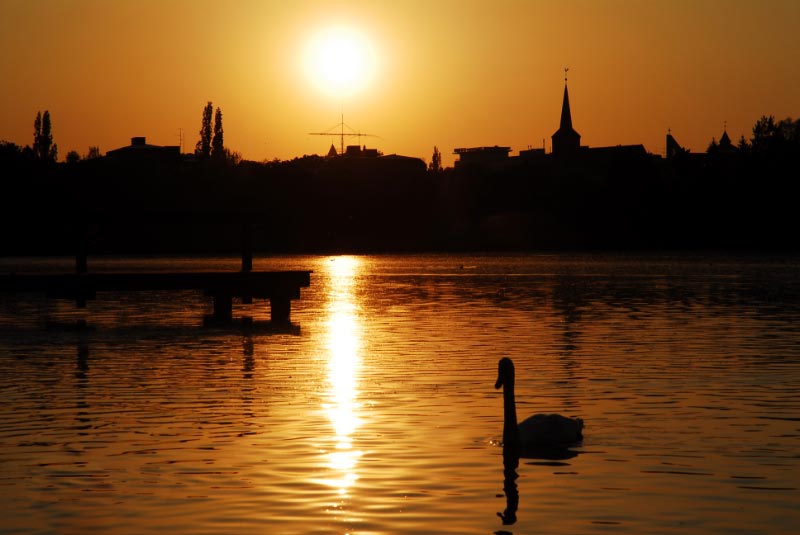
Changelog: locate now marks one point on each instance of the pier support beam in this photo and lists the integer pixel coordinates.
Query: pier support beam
(280, 309)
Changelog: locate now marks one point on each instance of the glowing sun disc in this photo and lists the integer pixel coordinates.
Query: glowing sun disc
(340, 61)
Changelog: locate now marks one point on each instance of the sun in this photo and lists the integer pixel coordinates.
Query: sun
(340, 61)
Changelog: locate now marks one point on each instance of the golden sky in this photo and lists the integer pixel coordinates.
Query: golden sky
(451, 73)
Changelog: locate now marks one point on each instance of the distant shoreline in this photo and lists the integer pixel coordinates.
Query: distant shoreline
(736, 199)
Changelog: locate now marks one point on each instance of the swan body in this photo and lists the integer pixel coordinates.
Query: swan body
(549, 429)
(540, 431)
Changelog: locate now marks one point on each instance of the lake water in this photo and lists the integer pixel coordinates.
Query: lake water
(376, 413)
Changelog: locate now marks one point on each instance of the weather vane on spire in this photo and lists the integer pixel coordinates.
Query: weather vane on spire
(566, 70)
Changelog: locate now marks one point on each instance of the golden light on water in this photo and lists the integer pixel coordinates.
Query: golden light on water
(344, 340)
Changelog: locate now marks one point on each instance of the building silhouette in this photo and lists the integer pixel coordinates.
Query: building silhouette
(674, 148)
(725, 147)
(722, 149)
(566, 149)
(139, 150)
(481, 156)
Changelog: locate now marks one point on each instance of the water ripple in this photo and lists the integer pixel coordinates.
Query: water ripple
(378, 413)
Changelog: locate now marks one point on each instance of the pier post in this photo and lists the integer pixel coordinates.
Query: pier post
(81, 264)
(247, 246)
(223, 308)
(81, 248)
(81, 259)
(247, 253)
(280, 308)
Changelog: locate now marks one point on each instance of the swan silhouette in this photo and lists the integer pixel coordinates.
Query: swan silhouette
(538, 432)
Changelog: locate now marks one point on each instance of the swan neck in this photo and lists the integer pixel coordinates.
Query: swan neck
(509, 413)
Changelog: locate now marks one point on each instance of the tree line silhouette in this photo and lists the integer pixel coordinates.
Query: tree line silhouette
(733, 197)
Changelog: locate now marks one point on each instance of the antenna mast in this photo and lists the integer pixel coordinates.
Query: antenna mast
(342, 134)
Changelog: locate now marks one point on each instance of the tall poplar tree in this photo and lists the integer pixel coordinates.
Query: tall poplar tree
(217, 143)
(436, 160)
(37, 134)
(43, 147)
(203, 147)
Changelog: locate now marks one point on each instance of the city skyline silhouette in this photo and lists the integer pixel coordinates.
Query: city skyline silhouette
(489, 79)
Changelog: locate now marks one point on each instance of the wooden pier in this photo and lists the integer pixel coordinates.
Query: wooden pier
(280, 287)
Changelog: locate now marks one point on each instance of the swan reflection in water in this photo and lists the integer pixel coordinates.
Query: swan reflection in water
(510, 464)
(541, 436)
(342, 406)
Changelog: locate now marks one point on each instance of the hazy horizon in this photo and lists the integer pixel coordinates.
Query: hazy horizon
(450, 74)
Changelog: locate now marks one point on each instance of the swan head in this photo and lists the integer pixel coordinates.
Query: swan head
(505, 372)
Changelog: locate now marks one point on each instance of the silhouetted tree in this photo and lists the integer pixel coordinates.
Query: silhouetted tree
(73, 157)
(11, 155)
(436, 160)
(37, 133)
(49, 149)
(217, 143)
(790, 130)
(94, 152)
(233, 157)
(9, 150)
(203, 147)
(743, 145)
(765, 134)
(43, 147)
(771, 139)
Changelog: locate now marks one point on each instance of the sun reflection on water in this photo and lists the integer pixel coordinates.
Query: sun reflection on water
(344, 339)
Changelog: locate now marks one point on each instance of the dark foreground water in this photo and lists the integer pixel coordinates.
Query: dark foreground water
(376, 412)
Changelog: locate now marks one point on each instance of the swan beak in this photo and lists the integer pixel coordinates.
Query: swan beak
(499, 382)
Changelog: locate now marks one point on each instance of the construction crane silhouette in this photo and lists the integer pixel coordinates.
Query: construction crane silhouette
(332, 131)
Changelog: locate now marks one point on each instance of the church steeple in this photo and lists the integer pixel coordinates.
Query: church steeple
(566, 116)
(566, 141)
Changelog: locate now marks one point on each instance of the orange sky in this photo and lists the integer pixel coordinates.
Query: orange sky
(454, 73)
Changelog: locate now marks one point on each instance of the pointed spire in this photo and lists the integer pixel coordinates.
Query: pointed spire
(725, 140)
(566, 116)
(673, 147)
